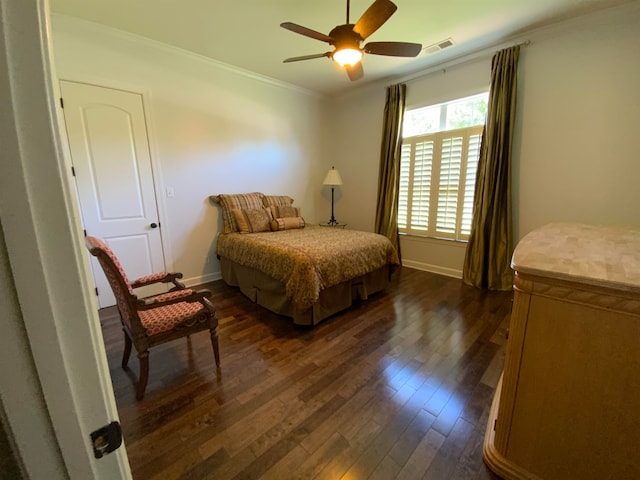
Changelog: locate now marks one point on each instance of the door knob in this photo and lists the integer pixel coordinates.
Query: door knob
(154, 225)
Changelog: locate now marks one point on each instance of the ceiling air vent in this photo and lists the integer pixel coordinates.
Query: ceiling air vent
(436, 47)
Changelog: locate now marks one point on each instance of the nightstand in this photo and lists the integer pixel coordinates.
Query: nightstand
(334, 225)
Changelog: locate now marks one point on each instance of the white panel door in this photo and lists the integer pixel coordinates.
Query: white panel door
(109, 147)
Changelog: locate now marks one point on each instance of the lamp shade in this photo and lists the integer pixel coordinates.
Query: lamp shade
(332, 178)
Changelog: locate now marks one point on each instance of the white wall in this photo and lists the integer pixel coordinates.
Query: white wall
(354, 149)
(213, 129)
(577, 151)
(576, 154)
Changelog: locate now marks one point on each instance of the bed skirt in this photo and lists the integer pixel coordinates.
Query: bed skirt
(270, 293)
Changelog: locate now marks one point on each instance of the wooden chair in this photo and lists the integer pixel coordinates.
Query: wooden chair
(157, 319)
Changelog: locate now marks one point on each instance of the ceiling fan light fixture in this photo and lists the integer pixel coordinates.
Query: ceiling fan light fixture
(348, 37)
(347, 56)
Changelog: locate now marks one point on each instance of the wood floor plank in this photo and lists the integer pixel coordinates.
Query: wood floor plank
(307, 465)
(411, 437)
(394, 422)
(296, 414)
(344, 459)
(420, 460)
(469, 464)
(450, 452)
(386, 469)
(205, 467)
(352, 428)
(350, 409)
(278, 450)
(396, 387)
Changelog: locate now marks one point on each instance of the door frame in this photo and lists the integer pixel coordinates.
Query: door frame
(156, 172)
(50, 311)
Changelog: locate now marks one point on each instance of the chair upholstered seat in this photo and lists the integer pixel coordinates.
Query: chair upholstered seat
(163, 319)
(150, 321)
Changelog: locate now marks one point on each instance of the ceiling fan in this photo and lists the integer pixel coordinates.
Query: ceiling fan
(347, 38)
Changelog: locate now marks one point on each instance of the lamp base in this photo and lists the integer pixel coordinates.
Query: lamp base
(332, 221)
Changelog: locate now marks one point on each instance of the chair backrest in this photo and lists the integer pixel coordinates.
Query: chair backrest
(117, 278)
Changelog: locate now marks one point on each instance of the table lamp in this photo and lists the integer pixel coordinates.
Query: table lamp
(332, 179)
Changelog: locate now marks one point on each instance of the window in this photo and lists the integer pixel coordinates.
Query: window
(438, 166)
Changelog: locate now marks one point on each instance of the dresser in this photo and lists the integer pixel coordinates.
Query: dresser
(568, 403)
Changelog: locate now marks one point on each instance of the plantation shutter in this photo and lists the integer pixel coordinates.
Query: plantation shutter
(450, 163)
(421, 191)
(446, 161)
(470, 184)
(405, 181)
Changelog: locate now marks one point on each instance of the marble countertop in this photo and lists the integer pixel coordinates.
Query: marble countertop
(591, 254)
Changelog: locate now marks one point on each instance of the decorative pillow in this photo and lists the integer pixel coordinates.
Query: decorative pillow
(252, 221)
(272, 200)
(287, 223)
(239, 201)
(281, 211)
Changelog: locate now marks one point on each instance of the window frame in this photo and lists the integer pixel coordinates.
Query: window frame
(432, 228)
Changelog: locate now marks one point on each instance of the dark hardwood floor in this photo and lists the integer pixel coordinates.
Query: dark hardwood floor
(396, 387)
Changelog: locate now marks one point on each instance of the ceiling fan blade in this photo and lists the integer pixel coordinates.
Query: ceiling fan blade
(307, 57)
(393, 49)
(371, 20)
(355, 72)
(307, 32)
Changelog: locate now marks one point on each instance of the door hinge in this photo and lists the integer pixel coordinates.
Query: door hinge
(61, 102)
(106, 439)
(85, 232)
(97, 292)
(495, 423)
(73, 171)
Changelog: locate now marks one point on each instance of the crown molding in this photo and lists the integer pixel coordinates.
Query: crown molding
(78, 25)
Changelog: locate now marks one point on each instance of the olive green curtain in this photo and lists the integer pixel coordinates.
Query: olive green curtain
(487, 262)
(389, 173)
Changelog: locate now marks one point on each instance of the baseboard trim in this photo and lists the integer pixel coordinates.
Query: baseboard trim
(199, 280)
(449, 272)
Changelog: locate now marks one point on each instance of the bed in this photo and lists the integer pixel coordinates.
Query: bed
(306, 272)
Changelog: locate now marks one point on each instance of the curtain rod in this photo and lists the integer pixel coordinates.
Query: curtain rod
(526, 43)
(459, 59)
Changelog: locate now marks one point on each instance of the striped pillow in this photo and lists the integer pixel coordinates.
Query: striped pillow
(281, 211)
(252, 221)
(272, 200)
(239, 201)
(287, 223)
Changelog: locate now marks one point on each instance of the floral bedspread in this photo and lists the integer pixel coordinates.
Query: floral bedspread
(310, 259)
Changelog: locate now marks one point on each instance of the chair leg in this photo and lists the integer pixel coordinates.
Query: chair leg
(127, 350)
(215, 345)
(144, 374)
